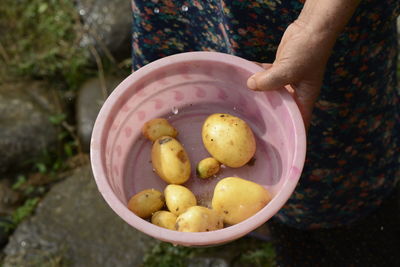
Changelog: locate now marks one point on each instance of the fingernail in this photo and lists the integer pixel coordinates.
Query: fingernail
(251, 83)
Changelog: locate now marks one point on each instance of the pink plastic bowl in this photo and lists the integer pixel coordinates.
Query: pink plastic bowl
(185, 89)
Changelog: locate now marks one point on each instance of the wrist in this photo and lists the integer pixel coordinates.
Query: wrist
(317, 40)
(326, 18)
(324, 35)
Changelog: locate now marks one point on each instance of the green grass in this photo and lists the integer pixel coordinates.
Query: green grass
(264, 255)
(20, 214)
(167, 255)
(40, 39)
(243, 252)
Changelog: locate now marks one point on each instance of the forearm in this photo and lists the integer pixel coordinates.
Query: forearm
(327, 18)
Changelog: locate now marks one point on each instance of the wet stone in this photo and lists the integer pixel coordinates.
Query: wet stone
(110, 22)
(26, 130)
(73, 226)
(91, 97)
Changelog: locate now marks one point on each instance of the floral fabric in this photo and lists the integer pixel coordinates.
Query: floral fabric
(354, 141)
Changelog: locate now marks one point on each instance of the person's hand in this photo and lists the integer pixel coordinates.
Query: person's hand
(303, 52)
(299, 64)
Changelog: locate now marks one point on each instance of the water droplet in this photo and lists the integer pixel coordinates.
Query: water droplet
(175, 110)
(223, 166)
(234, 108)
(156, 10)
(154, 170)
(82, 12)
(185, 8)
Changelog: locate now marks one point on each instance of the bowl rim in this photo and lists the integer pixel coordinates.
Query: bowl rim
(201, 238)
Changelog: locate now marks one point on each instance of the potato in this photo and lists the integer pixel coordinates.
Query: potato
(155, 128)
(238, 199)
(170, 160)
(146, 202)
(164, 219)
(207, 167)
(228, 139)
(199, 219)
(178, 198)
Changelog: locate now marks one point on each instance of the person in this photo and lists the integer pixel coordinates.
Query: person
(338, 59)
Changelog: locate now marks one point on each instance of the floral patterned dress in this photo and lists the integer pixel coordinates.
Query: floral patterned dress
(353, 150)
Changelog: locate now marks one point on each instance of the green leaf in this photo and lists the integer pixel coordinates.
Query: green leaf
(58, 118)
(167, 255)
(41, 167)
(63, 135)
(68, 149)
(42, 7)
(25, 210)
(29, 190)
(8, 226)
(57, 165)
(264, 256)
(21, 179)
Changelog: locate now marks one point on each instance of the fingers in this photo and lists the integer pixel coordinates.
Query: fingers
(275, 77)
(270, 79)
(305, 96)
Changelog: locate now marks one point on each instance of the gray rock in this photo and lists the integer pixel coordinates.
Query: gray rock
(25, 129)
(398, 37)
(73, 226)
(109, 26)
(398, 26)
(91, 97)
(398, 32)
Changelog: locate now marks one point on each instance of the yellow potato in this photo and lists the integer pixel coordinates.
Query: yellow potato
(155, 128)
(146, 202)
(164, 219)
(178, 198)
(170, 160)
(207, 167)
(238, 199)
(228, 139)
(199, 219)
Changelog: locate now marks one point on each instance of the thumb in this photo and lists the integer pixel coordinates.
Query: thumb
(273, 78)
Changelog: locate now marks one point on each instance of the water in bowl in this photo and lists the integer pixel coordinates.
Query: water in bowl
(266, 169)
